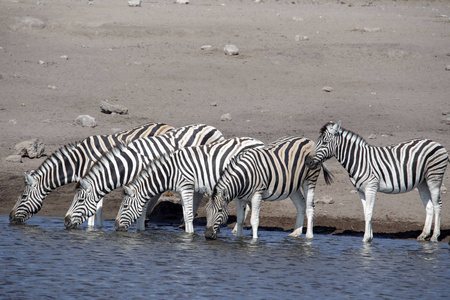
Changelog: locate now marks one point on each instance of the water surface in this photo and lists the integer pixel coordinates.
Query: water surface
(42, 259)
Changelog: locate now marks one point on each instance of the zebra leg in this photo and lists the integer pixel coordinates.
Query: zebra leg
(198, 197)
(146, 211)
(425, 195)
(187, 202)
(368, 202)
(300, 204)
(240, 216)
(256, 207)
(98, 214)
(247, 208)
(435, 188)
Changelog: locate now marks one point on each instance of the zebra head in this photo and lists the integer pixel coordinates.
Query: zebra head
(130, 209)
(84, 204)
(326, 144)
(30, 202)
(216, 212)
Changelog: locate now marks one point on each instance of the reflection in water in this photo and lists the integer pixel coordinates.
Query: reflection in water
(41, 259)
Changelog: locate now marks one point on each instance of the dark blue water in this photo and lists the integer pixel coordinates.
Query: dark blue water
(44, 260)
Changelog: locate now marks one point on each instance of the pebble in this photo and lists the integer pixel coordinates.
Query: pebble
(32, 148)
(226, 117)
(86, 121)
(297, 19)
(369, 29)
(109, 108)
(327, 89)
(231, 50)
(325, 200)
(372, 136)
(64, 57)
(447, 68)
(134, 3)
(52, 87)
(301, 38)
(30, 23)
(447, 119)
(183, 1)
(14, 158)
(206, 47)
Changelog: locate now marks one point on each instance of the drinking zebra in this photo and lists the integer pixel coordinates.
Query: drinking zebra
(393, 169)
(69, 163)
(274, 172)
(188, 170)
(121, 164)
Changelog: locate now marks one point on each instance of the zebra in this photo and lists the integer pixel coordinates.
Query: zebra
(188, 170)
(69, 163)
(418, 163)
(120, 165)
(270, 173)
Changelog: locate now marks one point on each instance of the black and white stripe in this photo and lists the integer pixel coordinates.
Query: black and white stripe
(69, 163)
(185, 171)
(418, 163)
(122, 164)
(274, 172)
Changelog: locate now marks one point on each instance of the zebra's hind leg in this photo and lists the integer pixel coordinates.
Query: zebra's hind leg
(256, 207)
(300, 205)
(425, 195)
(240, 216)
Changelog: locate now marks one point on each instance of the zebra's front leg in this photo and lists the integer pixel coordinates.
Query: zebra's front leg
(425, 195)
(300, 204)
(437, 207)
(256, 207)
(368, 202)
(240, 216)
(98, 215)
(187, 201)
(146, 211)
(246, 210)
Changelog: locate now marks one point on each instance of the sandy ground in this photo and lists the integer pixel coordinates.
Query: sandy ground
(385, 61)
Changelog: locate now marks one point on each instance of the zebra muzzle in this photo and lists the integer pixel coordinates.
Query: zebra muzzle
(310, 163)
(210, 233)
(120, 227)
(68, 223)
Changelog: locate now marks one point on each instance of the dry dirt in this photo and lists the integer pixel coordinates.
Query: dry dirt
(385, 61)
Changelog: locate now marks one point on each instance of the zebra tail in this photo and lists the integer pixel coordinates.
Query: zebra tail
(328, 176)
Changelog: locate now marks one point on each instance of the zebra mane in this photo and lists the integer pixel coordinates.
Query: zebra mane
(349, 132)
(59, 152)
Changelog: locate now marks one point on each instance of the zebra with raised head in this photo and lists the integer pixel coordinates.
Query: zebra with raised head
(69, 163)
(418, 163)
(185, 171)
(270, 173)
(122, 164)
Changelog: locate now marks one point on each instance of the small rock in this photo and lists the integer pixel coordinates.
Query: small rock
(372, 136)
(134, 3)
(447, 119)
(33, 148)
(301, 38)
(86, 121)
(206, 47)
(297, 19)
(109, 108)
(369, 29)
(231, 50)
(447, 68)
(13, 121)
(327, 89)
(64, 57)
(14, 158)
(52, 87)
(183, 1)
(41, 62)
(30, 23)
(353, 192)
(226, 117)
(213, 104)
(325, 200)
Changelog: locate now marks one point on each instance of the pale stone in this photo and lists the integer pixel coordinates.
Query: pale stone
(86, 121)
(32, 148)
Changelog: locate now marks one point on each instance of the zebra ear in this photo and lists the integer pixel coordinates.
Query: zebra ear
(336, 128)
(84, 184)
(128, 191)
(29, 180)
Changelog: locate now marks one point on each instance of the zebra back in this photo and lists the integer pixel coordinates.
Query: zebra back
(198, 167)
(69, 163)
(278, 169)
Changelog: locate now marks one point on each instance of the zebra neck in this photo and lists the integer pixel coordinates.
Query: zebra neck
(351, 152)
